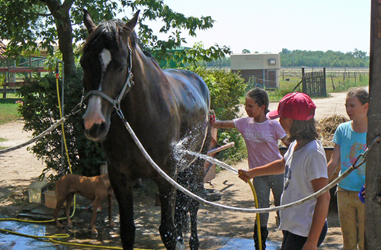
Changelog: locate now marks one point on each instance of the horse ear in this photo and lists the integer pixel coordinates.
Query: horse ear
(90, 25)
(130, 25)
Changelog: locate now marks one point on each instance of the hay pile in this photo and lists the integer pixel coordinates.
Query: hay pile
(328, 127)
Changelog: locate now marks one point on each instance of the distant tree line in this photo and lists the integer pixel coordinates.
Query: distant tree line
(299, 58)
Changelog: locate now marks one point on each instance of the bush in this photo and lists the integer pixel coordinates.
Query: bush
(40, 110)
(226, 88)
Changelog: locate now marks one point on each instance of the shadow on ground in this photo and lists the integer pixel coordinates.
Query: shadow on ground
(217, 228)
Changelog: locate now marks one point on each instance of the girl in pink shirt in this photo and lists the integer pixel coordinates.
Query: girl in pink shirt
(261, 137)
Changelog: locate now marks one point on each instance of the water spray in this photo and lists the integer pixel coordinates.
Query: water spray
(211, 159)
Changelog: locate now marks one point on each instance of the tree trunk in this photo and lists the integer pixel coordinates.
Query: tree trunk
(373, 160)
(64, 31)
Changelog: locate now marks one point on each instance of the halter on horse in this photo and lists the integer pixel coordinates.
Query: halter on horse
(163, 107)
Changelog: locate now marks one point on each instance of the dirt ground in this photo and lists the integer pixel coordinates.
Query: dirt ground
(18, 169)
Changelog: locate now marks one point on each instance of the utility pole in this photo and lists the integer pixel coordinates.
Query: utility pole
(373, 160)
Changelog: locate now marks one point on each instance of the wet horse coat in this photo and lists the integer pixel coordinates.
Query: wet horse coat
(163, 107)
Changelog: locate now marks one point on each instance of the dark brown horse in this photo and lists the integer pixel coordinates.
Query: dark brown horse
(163, 107)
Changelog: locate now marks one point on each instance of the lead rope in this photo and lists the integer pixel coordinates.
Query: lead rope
(246, 210)
(359, 161)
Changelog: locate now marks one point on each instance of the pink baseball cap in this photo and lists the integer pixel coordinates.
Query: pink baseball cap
(296, 106)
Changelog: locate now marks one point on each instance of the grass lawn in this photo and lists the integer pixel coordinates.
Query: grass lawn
(8, 112)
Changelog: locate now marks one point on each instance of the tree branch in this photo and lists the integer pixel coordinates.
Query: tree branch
(53, 6)
(67, 5)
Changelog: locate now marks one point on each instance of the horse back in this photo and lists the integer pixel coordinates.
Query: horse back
(189, 87)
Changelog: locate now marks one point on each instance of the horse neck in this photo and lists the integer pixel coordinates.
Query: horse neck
(145, 69)
(146, 83)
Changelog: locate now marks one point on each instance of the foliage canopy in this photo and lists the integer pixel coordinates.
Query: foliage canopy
(31, 25)
(34, 24)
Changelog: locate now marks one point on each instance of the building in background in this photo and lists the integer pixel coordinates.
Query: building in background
(14, 70)
(258, 70)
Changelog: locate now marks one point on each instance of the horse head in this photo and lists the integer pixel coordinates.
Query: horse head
(107, 64)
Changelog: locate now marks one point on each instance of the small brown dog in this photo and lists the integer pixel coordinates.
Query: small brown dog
(93, 188)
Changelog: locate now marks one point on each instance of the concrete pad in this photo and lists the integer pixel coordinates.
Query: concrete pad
(238, 243)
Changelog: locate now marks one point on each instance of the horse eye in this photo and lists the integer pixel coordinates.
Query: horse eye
(122, 68)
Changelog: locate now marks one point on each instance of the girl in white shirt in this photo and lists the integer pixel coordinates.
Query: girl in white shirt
(305, 171)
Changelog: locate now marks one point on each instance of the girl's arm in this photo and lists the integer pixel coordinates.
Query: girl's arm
(223, 124)
(275, 167)
(320, 214)
(334, 162)
(285, 141)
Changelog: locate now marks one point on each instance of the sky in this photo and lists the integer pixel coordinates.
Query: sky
(267, 26)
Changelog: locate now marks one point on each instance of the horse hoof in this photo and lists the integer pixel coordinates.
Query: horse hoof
(60, 225)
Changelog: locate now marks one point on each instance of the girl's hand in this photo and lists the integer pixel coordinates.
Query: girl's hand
(212, 119)
(363, 192)
(242, 174)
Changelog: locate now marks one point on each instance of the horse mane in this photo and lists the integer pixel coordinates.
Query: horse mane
(150, 56)
(109, 31)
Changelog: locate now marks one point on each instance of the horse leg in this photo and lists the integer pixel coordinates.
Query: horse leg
(193, 210)
(167, 227)
(123, 193)
(109, 198)
(196, 187)
(181, 210)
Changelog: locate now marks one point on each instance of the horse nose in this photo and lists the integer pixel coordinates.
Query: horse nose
(95, 127)
(92, 120)
(95, 121)
(93, 113)
(96, 132)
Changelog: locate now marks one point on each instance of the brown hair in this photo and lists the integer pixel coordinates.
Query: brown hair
(260, 97)
(360, 93)
(304, 130)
